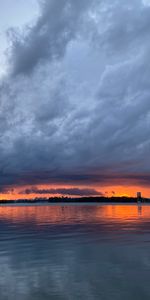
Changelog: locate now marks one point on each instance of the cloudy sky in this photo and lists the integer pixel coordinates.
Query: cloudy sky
(74, 97)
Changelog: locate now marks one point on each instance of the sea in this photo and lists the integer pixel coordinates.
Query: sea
(71, 252)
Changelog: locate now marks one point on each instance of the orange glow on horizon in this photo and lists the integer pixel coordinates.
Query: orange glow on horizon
(108, 191)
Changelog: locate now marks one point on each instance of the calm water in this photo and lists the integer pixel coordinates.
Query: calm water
(75, 252)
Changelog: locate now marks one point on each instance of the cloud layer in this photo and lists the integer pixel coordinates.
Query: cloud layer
(75, 105)
(61, 191)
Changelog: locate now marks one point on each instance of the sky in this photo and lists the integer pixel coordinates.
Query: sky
(74, 98)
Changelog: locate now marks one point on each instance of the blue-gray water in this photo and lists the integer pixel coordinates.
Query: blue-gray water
(75, 252)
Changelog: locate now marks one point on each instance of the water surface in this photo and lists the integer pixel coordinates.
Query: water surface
(75, 252)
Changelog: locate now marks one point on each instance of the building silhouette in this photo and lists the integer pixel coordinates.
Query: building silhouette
(139, 196)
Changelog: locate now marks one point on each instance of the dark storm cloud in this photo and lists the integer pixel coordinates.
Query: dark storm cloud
(75, 105)
(62, 191)
(56, 26)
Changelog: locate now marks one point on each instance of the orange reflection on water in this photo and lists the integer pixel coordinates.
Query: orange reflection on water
(47, 214)
(124, 213)
(73, 214)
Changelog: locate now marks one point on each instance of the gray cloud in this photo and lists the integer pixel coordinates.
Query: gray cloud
(57, 25)
(75, 107)
(62, 191)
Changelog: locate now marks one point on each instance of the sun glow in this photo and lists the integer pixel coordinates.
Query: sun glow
(107, 191)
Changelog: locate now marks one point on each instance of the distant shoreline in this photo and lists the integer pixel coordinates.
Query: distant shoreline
(74, 201)
(73, 204)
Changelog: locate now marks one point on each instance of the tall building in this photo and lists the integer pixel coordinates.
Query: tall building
(139, 195)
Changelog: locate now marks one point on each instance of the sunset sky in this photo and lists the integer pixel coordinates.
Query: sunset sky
(74, 98)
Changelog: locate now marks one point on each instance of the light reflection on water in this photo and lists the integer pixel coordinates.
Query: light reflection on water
(75, 252)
